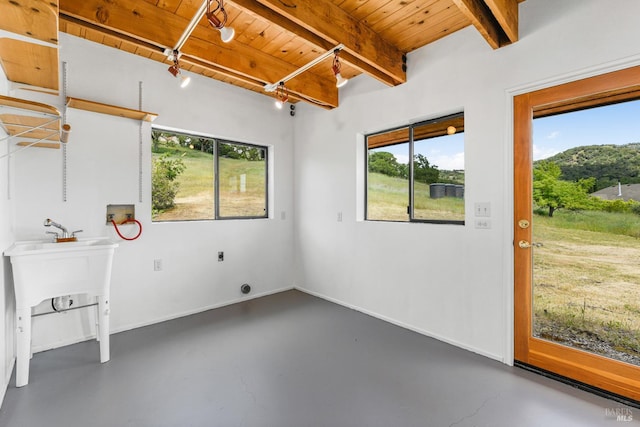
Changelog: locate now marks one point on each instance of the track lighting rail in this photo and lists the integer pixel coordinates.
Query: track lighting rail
(202, 10)
(271, 87)
(187, 31)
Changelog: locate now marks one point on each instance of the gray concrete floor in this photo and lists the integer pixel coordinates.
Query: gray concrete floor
(290, 360)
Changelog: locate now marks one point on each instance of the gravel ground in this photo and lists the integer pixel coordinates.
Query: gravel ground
(587, 341)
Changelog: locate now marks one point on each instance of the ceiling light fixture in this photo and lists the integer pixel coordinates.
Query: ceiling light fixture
(282, 95)
(175, 70)
(340, 81)
(226, 33)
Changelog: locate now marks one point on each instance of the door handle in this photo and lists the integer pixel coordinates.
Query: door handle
(524, 244)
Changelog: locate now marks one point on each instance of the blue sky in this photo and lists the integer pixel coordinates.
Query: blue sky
(612, 124)
(446, 152)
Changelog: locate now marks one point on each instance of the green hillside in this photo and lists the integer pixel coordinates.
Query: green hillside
(607, 163)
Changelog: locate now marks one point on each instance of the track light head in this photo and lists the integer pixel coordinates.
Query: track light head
(282, 96)
(226, 33)
(340, 81)
(336, 66)
(174, 70)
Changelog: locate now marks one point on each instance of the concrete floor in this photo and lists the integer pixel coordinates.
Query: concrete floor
(290, 360)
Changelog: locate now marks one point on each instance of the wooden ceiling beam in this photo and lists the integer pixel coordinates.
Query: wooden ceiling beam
(333, 24)
(495, 20)
(259, 10)
(149, 48)
(148, 25)
(506, 13)
(255, 64)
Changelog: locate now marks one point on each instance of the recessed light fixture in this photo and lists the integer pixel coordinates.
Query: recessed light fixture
(451, 130)
(226, 33)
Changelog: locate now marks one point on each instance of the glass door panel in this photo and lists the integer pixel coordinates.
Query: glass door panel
(586, 223)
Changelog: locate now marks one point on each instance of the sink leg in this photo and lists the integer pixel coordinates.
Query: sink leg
(103, 327)
(98, 320)
(23, 338)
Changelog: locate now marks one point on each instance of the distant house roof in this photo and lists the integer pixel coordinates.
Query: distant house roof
(627, 191)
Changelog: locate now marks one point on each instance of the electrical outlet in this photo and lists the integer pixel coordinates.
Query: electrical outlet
(283, 215)
(220, 256)
(157, 265)
(339, 216)
(483, 223)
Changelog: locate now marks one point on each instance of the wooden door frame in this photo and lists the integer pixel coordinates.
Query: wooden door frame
(597, 371)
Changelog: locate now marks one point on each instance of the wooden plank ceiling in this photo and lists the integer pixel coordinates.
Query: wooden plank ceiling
(274, 38)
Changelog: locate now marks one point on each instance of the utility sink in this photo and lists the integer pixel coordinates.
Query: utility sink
(40, 247)
(43, 270)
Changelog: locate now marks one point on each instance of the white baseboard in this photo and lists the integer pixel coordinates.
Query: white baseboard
(37, 349)
(200, 310)
(420, 331)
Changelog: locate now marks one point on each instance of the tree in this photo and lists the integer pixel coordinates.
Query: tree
(203, 144)
(549, 191)
(384, 163)
(423, 171)
(164, 186)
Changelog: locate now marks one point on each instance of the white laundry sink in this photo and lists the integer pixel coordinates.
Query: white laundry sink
(43, 270)
(34, 247)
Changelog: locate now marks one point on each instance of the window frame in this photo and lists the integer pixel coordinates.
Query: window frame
(411, 199)
(216, 174)
(217, 180)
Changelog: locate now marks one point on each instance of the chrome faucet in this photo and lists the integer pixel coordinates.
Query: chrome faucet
(65, 234)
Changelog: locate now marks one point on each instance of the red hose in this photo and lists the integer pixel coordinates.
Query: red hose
(124, 222)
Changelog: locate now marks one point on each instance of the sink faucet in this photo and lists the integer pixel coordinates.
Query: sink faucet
(49, 223)
(65, 234)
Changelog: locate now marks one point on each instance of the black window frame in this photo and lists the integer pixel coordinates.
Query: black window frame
(216, 176)
(411, 142)
(217, 179)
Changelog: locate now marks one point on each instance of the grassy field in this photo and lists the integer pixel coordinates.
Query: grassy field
(388, 198)
(587, 282)
(195, 199)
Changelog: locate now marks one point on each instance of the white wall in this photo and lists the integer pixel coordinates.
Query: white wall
(450, 282)
(103, 169)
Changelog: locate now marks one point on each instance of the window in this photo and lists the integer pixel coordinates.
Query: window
(242, 180)
(429, 189)
(202, 178)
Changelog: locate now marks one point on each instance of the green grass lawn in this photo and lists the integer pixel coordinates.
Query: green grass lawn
(195, 198)
(388, 197)
(586, 280)
(623, 224)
